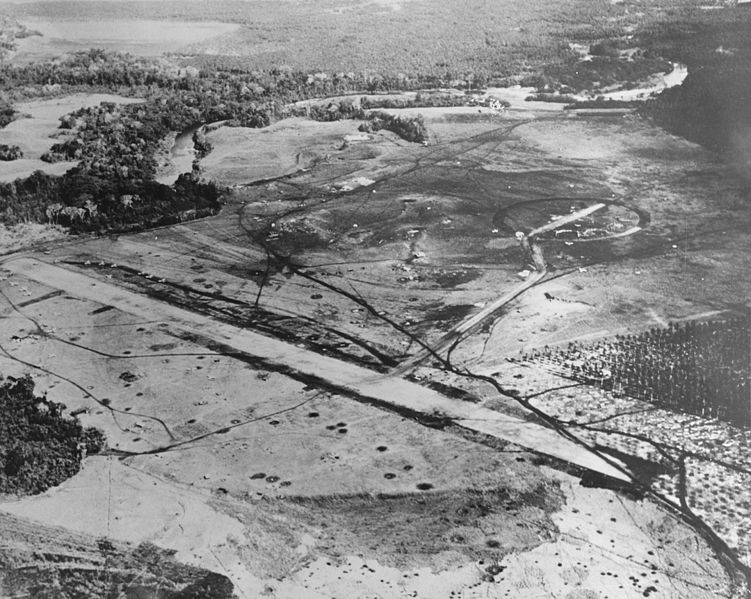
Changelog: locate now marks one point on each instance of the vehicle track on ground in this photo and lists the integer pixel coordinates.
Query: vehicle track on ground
(488, 424)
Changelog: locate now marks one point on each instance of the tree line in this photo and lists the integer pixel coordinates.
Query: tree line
(89, 202)
(700, 368)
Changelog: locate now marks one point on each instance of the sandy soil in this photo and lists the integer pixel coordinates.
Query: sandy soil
(170, 498)
(599, 544)
(390, 390)
(592, 523)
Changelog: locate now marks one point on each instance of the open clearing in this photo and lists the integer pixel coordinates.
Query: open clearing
(284, 486)
(398, 394)
(433, 227)
(242, 155)
(242, 366)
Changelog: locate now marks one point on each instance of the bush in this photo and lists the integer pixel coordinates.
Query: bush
(410, 129)
(6, 114)
(607, 48)
(8, 153)
(211, 586)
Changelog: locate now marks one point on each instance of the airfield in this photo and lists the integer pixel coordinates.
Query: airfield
(295, 391)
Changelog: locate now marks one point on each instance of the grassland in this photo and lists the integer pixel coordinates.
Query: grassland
(281, 149)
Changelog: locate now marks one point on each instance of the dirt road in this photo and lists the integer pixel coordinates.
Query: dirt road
(469, 325)
(534, 254)
(564, 220)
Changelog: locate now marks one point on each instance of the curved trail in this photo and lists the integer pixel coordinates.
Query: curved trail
(534, 254)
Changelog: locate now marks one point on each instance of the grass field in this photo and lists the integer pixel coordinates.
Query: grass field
(241, 155)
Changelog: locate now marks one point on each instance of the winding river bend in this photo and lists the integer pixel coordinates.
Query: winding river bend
(181, 157)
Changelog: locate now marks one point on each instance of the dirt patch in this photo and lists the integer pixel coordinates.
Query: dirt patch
(452, 278)
(447, 316)
(412, 531)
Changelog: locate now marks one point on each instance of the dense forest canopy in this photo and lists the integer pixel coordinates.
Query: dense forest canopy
(40, 446)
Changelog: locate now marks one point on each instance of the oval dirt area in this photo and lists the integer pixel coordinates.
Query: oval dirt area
(558, 219)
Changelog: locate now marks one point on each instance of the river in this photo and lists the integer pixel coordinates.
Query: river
(181, 157)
